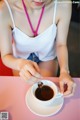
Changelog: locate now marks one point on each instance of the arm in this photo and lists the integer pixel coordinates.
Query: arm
(61, 40)
(25, 67)
(61, 46)
(6, 40)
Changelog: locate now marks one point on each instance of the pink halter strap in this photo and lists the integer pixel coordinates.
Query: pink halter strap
(35, 32)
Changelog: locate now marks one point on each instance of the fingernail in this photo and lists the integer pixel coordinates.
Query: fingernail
(38, 75)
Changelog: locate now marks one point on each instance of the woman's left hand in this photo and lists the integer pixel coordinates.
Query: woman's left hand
(65, 79)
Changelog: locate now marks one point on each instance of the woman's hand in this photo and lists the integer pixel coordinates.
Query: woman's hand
(28, 69)
(66, 80)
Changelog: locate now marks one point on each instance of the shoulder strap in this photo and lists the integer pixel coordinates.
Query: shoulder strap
(55, 9)
(10, 12)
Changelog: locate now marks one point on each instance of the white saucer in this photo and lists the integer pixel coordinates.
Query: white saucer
(43, 110)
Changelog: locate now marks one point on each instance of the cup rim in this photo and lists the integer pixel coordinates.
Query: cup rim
(52, 86)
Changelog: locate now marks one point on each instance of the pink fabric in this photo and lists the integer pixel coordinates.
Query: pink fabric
(12, 100)
(35, 32)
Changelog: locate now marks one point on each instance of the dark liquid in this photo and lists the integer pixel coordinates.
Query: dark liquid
(44, 93)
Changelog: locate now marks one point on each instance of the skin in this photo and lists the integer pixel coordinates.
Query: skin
(26, 68)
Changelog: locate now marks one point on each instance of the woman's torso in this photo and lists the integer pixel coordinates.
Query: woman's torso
(24, 43)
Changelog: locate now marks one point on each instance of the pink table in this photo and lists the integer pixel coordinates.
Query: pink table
(12, 100)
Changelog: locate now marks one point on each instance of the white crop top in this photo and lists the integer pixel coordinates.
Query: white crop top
(42, 45)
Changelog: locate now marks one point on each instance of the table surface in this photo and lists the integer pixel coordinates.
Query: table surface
(12, 100)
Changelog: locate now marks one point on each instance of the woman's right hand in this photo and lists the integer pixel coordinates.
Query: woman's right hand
(28, 69)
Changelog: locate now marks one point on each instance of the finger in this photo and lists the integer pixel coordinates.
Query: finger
(69, 89)
(29, 75)
(70, 93)
(33, 79)
(74, 87)
(25, 78)
(36, 66)
(61, 86)
(31, 69)
(26, 73)
(37, 75)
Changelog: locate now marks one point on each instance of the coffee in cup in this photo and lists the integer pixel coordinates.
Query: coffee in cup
(45, 94)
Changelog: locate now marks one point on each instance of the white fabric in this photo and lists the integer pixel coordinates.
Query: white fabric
(42, 45)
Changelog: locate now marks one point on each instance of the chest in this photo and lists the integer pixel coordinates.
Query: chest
(22, 23)
(26, 43)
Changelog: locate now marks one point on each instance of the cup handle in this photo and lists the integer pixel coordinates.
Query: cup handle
(59, 95)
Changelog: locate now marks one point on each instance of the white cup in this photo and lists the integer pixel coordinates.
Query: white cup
(52, 85)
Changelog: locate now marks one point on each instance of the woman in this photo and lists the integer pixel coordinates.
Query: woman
(33, 35)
